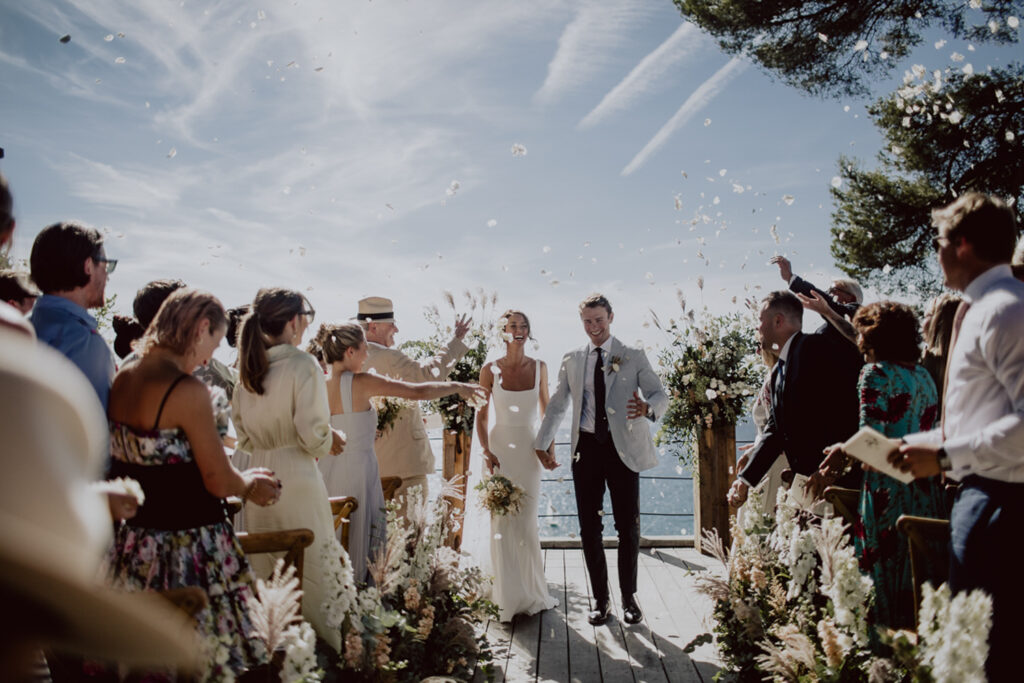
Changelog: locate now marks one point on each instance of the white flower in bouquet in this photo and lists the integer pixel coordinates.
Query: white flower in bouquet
(499, 495)
(339, 582)
(841, 580)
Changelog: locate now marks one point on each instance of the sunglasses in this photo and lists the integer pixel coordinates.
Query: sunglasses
(311, 313)
(109, 263)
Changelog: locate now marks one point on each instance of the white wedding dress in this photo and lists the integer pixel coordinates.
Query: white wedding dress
(515, 557)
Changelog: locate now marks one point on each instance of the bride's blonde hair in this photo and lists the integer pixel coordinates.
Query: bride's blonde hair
(335, 340)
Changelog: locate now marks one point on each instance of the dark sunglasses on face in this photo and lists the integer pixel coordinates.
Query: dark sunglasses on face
(109, 263)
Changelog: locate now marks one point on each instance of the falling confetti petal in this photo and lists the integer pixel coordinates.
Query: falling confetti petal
(788, 199)
(119, 60)
(707, 122)
(860, 46)
(491, 223)
(66, 38)
(518, 150)
(453, 188)
(837, 182)
(172, 153)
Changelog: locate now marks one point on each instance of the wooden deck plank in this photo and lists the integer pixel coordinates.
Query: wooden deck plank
(611, 647)
(644, 657)
(522, 656)
(553, 644)
(677, 562)
(659, 599)
(584, 659)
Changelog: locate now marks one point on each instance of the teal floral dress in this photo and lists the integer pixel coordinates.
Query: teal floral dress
(896, 399)
(181, 537)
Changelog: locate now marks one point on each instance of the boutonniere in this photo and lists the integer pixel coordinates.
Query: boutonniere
(613, 364)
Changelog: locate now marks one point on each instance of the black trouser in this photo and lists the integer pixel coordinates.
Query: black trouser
(597, 465)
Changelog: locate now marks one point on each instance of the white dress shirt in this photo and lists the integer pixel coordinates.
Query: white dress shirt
(589, 405)
(984, 401)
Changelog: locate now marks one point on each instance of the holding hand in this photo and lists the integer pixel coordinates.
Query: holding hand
(737, 495)
(921, 461)
(547, 458)
(636, 406)
(337, 442)
(471, 393)
(785, 268)
(491, 461)
(262, 487)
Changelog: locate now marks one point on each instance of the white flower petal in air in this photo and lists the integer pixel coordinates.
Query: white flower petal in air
(939, 44)
(711, 394)
(518, 150)
(109, 37)
(956, 117)
(435, 372)
(707, 122)
(119, 60)
(491, 223)
(837, 182)
(453, 188)
(722, 172)
(957, 57)
(788, 199)
(860, 46)
(968, 69)
(975, 4)
(1012, 22)
(172, 153)
(737, 188)
(822, 37)
(886, 269)
(546, 249)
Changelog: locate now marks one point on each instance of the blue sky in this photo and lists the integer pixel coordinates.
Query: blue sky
(355, 148)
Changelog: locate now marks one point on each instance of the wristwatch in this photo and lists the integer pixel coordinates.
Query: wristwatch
(945, 464)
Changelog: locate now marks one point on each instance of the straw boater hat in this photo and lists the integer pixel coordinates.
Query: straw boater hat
(376, 309)
(55, 528)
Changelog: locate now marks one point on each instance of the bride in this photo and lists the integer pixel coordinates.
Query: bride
(519, 386)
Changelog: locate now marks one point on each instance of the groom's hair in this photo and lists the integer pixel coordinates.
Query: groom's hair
(595, 300)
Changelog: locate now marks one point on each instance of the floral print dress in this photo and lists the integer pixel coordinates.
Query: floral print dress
(896, 399)
(207, 556)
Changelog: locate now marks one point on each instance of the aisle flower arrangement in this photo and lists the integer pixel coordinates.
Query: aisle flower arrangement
(388, 409)
(711, 370)
(793, 607)
(420, 616)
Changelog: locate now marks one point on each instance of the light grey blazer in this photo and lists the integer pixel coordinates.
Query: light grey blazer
(632, 438)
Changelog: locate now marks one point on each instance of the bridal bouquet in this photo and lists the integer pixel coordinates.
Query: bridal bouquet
(499, 495)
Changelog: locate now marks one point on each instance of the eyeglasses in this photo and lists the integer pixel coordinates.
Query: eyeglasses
(940, 242)
(311, 313)
(110, 263)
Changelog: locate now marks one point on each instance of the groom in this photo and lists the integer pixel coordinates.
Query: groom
(610, 445)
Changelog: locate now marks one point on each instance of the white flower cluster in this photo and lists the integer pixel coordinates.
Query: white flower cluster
(842, 582)
(339, 582)
(954, 634)
(299, 664)
(794, 544)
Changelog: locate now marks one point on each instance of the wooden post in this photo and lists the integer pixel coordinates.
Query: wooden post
(716, 460)
(456, 462)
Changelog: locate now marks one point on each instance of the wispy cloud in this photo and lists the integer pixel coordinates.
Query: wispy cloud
(693, 104)
(683, 42)
(586, 45)
(131, 188)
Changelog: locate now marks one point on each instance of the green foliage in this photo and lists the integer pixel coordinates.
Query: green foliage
(834, 47)
(711, 370)
(458, 414)
(946, 133)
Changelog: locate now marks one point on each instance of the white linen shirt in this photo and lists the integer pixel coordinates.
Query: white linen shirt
(589, 408)
(984, 400)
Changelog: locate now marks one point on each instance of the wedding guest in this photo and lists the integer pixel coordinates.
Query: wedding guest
(404, 450)
(813, 400)
(218, 374)
(844, 296)
(145, 306)
(759, 412)
(70, 266)
(282, 418)
(356, 474)
(980, 442)
(11, 317)
(937, 332)
(897, 397)
(55, 528)
(163, 434)
(17, 290)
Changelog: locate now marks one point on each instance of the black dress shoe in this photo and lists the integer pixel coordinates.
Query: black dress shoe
(631, 613)
(600, 615)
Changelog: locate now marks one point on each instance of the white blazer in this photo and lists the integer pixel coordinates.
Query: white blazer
(626, 370)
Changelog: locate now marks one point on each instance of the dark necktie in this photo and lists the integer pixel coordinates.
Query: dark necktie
(600, 416)
(778, 387)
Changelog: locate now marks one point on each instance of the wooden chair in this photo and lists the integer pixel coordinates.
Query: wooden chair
(292, 542)
(928, 540)
(389, 486)
(342, 508)
(845, 502)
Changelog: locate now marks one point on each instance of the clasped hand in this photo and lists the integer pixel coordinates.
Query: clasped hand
(547, 458)
(636, 406)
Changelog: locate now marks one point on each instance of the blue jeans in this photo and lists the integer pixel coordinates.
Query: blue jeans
(986, 553)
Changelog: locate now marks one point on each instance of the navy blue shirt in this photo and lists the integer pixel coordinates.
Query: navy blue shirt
(70, 329)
